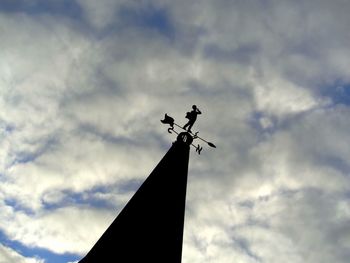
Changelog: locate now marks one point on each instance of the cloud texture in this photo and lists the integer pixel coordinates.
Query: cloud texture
(83, 85)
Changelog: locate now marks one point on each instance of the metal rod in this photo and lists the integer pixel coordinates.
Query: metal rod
(195, 136)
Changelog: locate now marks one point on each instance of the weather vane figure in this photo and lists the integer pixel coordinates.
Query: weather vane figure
(192, 117)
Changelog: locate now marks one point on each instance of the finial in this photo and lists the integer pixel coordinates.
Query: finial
(187, 136)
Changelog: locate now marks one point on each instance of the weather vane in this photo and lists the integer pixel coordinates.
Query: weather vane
(192, 117)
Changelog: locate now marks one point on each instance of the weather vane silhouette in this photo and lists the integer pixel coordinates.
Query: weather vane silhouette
(188, 135)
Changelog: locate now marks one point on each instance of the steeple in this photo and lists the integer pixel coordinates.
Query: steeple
(150, 227)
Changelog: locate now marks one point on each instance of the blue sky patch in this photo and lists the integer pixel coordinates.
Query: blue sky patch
(17, 206)
(78, 199)
(88, 197)
(27, 157)
(63, 7)
(338, 93)
(40, 253)
(149, 18)
(338, 163)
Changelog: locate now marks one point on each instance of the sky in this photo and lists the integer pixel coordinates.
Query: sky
(84, 84)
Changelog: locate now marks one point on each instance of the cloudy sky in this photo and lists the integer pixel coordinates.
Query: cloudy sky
(84, 83)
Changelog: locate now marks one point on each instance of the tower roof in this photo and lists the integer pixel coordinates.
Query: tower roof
(150, 227)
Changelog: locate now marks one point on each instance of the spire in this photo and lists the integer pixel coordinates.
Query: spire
(150, 227)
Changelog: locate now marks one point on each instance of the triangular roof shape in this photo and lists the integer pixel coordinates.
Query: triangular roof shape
(150, 227)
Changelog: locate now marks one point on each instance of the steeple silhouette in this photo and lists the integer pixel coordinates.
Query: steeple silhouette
(150, 227)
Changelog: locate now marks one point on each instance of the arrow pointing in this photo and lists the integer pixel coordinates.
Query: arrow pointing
(195, 136)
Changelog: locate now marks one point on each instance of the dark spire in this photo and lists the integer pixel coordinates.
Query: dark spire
(150, 227)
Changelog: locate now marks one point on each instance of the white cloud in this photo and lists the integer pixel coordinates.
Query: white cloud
(8, 255)
(49, 229)
(80, 111)
(280, 97)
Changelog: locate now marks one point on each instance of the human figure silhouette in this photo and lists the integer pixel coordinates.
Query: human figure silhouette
(192, 117)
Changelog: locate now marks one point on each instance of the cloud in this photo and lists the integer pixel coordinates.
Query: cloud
(82, 96)
(8, 255)
(48, 229)
(100, 14)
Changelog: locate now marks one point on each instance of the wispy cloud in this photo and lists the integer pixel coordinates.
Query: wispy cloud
(9, 255)
(83, 85)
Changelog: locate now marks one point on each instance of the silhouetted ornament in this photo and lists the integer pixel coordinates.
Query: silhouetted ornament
(150, 227)
(192, 116)
(168, 120)
(211, 144)
(185, 137)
